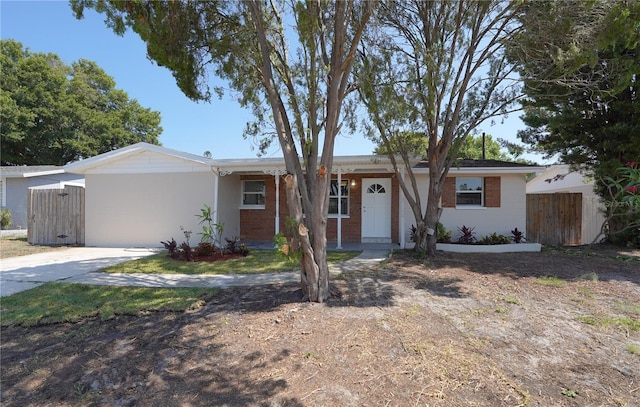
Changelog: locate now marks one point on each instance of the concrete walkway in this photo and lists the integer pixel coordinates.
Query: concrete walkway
(26, 272)
(79, 265)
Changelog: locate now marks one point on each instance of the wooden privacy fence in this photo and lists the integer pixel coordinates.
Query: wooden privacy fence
(554, 219)
(56, 216)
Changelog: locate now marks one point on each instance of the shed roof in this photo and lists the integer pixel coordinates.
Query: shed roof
(25, 171)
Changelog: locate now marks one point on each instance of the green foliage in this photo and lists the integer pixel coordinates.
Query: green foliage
(471, 148)
(551, 281)
(627, 323)
(633, 348)
(443, 235)
(570, 393)
(286, 247)
(495, 238)
(256, 262)
(432, 83)
(622, 205)
(289, 62)
(63, 302)
(5, 218)
(582, 84)
(211, 232)
(52, 113)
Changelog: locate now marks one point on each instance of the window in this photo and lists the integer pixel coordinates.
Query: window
(469, 192)
(253, 193)
(344, 197)
(376, 189)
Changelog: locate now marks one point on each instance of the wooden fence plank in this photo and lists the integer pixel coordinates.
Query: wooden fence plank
(56, 216)
(554, 219)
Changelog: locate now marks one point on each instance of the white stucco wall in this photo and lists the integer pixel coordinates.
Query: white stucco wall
(512, 212)
(140, 210)
(228, 204)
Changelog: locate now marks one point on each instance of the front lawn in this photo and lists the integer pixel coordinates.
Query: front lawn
(63, 302)
(258, 261)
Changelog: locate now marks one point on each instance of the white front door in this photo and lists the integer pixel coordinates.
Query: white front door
(376, 210)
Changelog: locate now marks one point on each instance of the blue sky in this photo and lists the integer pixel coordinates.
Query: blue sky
(49, 26)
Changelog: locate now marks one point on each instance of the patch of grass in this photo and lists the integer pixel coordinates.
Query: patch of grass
(17, 245)
(512, 299)
(65, 302)
(258, 261)
(570, 393)
(625, 322)
(413, 310)
(502, 309)
(550, 281)
(627, 307)
(586, 292)
(633, 348)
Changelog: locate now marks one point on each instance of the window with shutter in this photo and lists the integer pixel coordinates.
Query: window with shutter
(470, 192)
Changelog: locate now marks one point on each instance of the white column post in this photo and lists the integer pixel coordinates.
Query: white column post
(339, 231)
(216, 192)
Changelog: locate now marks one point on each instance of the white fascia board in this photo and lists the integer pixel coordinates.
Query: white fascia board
(85, 166)
(41, 173)
(485, 170)
(360, 162)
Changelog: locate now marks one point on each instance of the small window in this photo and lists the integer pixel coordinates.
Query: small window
(253, 193)
(376, 189)
(469, 192)
(344, 197)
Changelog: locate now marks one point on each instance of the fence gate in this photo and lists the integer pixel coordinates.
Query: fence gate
(554, 219)
(56, 216)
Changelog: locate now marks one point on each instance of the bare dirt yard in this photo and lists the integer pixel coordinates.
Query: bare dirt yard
(532, 329)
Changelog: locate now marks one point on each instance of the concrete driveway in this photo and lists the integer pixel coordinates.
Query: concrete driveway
(25, 272)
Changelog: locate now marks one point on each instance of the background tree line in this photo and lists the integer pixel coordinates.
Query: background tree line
(53, 113)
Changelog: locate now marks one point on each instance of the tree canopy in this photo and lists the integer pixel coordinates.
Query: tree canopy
(592, 122)
(290, 62)
(471, 147)
(437, 69)
(52, 113)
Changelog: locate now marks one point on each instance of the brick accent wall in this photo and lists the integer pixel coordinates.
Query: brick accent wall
(259, 224)
(492, 192)
(449, 193)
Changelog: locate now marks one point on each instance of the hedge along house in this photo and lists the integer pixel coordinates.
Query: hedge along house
(143, 194)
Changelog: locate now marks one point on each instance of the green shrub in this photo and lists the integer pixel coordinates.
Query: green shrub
(5, 218)
(495, 238)
(444, 235)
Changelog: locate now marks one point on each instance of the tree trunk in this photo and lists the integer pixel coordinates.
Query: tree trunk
(433, 210)
(314, 270)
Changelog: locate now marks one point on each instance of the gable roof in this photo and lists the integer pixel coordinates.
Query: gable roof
(148, 157)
